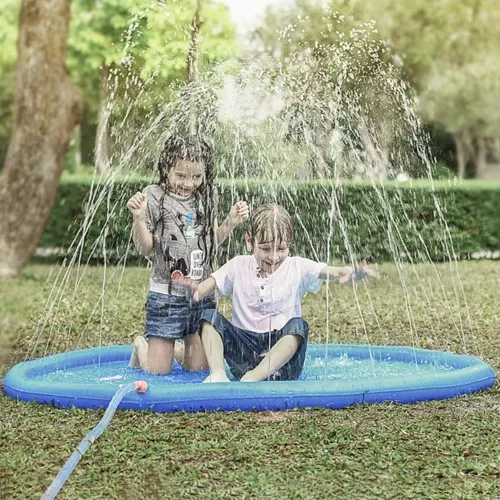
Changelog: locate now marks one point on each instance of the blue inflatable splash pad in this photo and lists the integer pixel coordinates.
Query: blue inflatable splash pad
(335, 376)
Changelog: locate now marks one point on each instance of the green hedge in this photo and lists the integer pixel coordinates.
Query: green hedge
(381, 222)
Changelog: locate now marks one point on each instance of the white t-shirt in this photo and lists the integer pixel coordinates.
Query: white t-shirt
(263, 304)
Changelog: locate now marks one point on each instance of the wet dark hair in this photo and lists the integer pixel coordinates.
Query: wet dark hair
(191, 148)
(271, 222)
(195, 149)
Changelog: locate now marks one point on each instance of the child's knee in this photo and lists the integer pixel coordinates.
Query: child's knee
(297, 327)
(158, 367)
(205, 326)
(160, 356)
(293, 341)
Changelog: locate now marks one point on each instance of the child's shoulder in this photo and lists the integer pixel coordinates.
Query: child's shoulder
(298, 261)
(304, 264)
(154, 190)
(154, 193)
(241, 260)
(239, 264)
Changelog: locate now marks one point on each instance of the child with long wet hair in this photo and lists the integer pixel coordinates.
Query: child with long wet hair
(176, 220)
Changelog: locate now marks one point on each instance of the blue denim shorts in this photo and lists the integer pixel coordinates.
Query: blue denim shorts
(171, 317)
(244, 350)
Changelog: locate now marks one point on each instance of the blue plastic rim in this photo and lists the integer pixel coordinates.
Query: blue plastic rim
(82, 379)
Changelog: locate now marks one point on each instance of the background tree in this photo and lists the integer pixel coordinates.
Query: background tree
(135, 51)
(46, 110)
(8, 37)
(348, 106)
(97, 40)
(449, 53)
(446, 50)
(127, 55)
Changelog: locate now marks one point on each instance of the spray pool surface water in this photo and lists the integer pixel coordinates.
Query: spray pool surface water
(335, 376)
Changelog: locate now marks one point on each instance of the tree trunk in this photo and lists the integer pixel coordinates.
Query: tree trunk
(102, 133)
(463, 151)
(488, 158)
(319, 166)
(77, 137)
(376, 159)
(46, 110)
(480, 158)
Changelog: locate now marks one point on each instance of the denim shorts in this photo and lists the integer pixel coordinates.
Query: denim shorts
(244, 350)
(171, 317)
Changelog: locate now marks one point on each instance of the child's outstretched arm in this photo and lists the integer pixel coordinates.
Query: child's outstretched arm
(143, 238)
(348, 274)
(239, 212)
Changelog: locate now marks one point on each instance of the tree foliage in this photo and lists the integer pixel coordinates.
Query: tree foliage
(150, 38)
(143, 47)
(349, 105)
(447, 51)
(47, 108)
(138, 47)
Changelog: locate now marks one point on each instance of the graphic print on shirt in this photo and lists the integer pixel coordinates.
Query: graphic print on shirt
(189, 229)
(184, 240)
(180, 233)
(196, 265)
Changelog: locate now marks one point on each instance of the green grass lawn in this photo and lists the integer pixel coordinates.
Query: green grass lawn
(441, 449)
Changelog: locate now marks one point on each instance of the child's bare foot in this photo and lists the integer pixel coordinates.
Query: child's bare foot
(134, 359)
(179, 353)
(140, 342)
(216, 377)
(139, 358)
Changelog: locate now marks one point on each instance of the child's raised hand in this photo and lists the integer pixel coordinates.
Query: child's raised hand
(190, 286)
(362, 271)
(138, 204)
(359, 273)
(239, 212)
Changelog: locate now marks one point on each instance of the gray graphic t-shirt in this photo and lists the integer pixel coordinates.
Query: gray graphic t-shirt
(179, 243)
